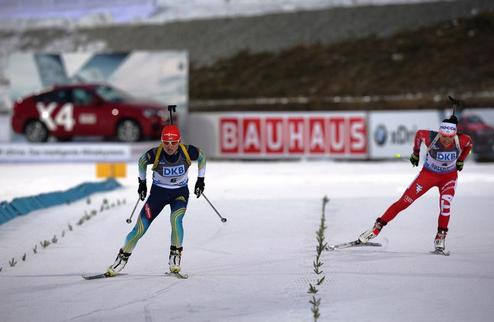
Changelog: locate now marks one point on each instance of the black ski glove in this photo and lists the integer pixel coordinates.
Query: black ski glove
(459, 165)
(414, 160)
(199, 188)
(143, 189)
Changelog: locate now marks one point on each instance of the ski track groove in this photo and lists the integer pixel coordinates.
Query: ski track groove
(147, 314)
(130, 302)
(441, 275)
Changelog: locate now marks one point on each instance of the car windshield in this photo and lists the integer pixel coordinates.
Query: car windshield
(474, 119)
(113, 95)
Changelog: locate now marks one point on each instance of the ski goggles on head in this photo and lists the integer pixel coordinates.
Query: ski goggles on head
(447, 129)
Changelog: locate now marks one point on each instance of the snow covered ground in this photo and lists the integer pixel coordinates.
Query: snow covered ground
(258, 265)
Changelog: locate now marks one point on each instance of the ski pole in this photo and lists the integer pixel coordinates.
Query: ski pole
(456, 104)
(223, 219)
(129, 220)
(171, 108)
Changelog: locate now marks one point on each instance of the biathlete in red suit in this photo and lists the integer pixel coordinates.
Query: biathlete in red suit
(446, 152)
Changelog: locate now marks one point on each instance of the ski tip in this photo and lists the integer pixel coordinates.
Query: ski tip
(93, 276)
(371, 244)
(177, 275)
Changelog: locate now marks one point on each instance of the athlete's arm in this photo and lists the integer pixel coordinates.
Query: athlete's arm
(465, 145)
(420, 136)
(145, 159)
(198, 155)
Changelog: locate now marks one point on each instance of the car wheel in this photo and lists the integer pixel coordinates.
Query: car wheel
(36, 131)
(128, 131)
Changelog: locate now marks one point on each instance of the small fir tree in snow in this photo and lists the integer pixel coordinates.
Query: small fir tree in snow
(317, 264)
(44, 243)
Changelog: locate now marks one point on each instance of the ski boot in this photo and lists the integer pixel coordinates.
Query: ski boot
(440, 240)
(372, 232)
(174, 258)
(119, 264)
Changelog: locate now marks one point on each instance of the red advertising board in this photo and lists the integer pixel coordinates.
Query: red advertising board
(294, 135)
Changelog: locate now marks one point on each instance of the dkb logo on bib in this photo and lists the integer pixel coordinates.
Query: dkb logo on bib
(174, 171)
(446, 156)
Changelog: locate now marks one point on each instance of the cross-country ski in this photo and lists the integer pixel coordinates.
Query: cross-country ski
(98, 276)
(354, 243)
(178, 275)
(441, 252)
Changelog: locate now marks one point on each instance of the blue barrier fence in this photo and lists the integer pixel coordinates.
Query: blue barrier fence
(24, 205)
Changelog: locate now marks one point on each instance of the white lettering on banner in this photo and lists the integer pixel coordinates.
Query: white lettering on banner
(337, 135)
(274, 135)
(64, 117)
(358, 137)
(252, 136)
(229, 135)
(294, 135)
(317, 141)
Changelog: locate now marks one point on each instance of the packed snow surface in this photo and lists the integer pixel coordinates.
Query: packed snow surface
(258, 265)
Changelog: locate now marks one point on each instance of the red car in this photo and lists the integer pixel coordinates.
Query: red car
(87, 110)
(482, 135)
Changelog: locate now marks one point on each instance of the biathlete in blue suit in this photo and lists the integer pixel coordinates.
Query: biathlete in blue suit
(170, 163)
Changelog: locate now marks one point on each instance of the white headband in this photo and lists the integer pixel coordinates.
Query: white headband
(447, 129)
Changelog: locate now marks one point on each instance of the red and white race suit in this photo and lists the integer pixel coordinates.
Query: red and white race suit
(439, 170)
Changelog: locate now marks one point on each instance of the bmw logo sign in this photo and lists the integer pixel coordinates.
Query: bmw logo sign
(380, 135)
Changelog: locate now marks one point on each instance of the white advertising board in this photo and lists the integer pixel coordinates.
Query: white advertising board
(392, 132)
(65, 152)
(281, 135)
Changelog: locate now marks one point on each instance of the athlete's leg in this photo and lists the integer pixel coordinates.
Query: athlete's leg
(153, 206)
(178, 208)
(422, 183)
(124, 253)
(447, 188)
(446, 194)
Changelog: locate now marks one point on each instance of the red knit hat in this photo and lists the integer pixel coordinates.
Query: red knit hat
(170, 133)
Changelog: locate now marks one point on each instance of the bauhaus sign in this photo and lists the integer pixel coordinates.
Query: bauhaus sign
(303, 134)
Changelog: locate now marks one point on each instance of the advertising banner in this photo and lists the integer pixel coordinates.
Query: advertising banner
(155, 75)
(281, 135)
(137, 82)
(392, 132)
